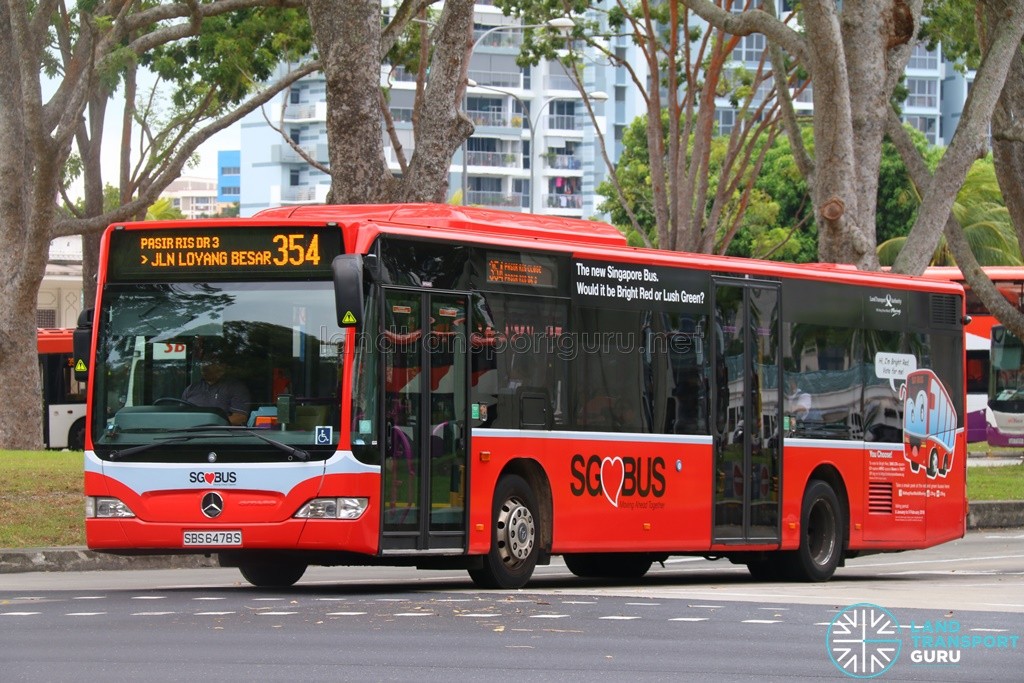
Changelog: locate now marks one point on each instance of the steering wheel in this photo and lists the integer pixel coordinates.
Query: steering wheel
(171, 401)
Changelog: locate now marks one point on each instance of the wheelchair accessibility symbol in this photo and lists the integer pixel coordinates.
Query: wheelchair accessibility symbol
(324, 435)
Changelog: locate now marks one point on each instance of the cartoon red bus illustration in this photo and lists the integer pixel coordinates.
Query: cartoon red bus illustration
(929, 424)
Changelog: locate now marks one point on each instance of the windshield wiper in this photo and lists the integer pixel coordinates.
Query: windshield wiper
(297, 453)
(134, 450)
(198, 432)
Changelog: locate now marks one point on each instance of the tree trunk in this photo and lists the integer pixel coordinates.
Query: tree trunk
(1008, 142)
(348, 34)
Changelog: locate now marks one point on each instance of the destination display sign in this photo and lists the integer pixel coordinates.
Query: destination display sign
(222, 253)
(532, 270)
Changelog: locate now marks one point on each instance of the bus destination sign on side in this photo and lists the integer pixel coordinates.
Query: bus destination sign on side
(532, 270)
(174, 254)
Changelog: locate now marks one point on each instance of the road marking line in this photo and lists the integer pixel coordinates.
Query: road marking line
(18, 614)
(211, 614)
(619, 618)
(151, 614)
(761, 621)
(689, 619)
(345, 614)
(548, 616)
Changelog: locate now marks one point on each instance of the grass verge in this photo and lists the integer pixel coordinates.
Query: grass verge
(41, 501)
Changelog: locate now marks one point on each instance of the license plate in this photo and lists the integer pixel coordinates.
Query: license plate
(218, 538)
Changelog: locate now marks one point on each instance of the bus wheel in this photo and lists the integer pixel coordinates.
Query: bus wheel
(933, 463)
(609, 565)
(271, 573)
(821, 538)
(514, 544)
(76, 435)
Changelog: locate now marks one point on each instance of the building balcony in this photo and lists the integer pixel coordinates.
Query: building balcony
(305, 113)
(564, 201)
(284, 154)
(566, 162)
(497, 199)
(299, 194)
(494, 159)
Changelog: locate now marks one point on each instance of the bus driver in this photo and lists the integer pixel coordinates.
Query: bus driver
(218, 390)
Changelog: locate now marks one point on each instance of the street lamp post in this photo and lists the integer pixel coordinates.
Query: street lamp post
(560, 23)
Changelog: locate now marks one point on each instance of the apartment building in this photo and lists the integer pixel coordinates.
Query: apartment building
(535, 148)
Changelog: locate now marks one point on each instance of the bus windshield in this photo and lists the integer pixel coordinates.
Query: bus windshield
(275, 379)
(1007, 371)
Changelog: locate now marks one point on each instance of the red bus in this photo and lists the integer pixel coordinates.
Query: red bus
(442, 386)
(63, 395)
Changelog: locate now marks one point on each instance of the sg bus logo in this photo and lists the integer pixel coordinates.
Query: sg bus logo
(617, 477)
(210, 478)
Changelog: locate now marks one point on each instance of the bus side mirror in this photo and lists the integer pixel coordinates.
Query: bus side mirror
(81, 340)
(348, 289)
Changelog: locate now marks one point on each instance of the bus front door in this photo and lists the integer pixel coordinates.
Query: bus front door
(426, 382)
(746, 402)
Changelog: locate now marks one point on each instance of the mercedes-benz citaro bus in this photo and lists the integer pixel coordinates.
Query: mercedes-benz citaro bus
(454, 387)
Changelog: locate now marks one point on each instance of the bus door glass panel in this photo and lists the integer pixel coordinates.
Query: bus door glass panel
(447, 351)
(403, 365)
(425, 403)
(746, 403)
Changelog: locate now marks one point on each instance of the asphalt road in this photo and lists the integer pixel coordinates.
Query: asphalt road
(689, 620)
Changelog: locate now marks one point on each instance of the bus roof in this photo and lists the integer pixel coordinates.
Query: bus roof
(995, 273)
(52, 340)
(461, 218)
(581, 238)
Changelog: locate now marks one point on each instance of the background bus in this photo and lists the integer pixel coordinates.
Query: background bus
(63, 394)
(445, 387)
(982, 423)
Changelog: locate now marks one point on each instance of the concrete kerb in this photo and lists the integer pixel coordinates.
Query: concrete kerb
(982, 515)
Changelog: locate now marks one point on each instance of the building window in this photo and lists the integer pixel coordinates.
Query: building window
(46, 317)
(293, 178)
(230, 170)
(750, 49)
(923, 58)
(726, 119)
(926, 124)
(922, 92)
(231, 191)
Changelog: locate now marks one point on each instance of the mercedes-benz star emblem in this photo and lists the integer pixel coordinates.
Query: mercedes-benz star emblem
(212, 505)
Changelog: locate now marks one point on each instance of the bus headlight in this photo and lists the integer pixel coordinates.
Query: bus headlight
(333, 508)
(96, 507)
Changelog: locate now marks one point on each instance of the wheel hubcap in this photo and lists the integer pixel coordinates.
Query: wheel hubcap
(516, 532)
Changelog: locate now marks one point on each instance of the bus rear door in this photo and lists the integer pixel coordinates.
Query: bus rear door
(426, 383)
(746, 404)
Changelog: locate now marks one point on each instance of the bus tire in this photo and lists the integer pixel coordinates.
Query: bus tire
(609, 565)
(821, 534)
(515, 539)
(271, 573)
(76, 435)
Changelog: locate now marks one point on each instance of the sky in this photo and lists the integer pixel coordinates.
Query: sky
(109, 155)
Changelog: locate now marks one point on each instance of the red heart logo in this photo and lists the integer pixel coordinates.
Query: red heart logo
(613, 473)
(208, 477)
